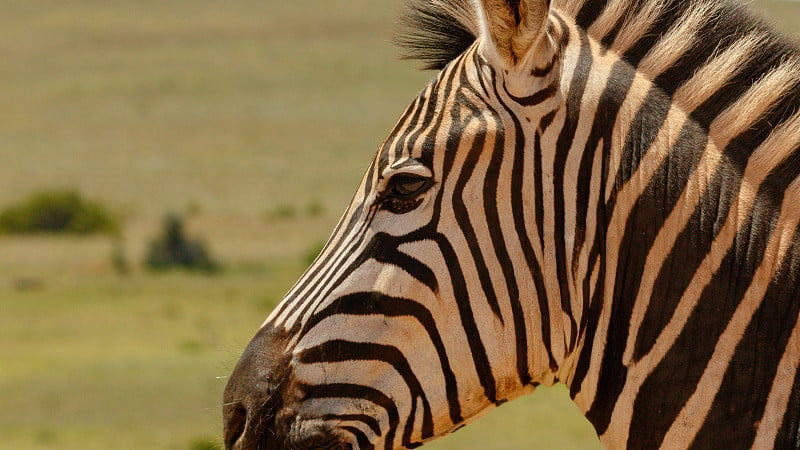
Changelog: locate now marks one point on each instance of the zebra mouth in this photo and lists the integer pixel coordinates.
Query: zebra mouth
(312, 434)
(251, 431)
(261, 400)
(280, 431)
(269, 430)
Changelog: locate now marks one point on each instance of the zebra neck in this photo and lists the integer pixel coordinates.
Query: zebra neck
(692, 242)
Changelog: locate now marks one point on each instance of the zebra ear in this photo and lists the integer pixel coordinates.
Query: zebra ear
(510, 29)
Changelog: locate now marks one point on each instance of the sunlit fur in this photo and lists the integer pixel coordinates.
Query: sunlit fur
(615, 206)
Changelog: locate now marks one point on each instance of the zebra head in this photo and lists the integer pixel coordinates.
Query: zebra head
(421, 311)
(602, 193)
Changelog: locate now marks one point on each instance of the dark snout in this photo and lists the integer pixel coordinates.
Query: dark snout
(259, 400)
(253, 395)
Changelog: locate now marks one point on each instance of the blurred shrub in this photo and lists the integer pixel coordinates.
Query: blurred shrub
(193, 208)
(173, 249)
(314, 208)
(285, 211)
(118, 260)
(27, 283)
(191, 345)
(280, 212)
(57, 211)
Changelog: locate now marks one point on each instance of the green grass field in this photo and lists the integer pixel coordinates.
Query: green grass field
(258, 118)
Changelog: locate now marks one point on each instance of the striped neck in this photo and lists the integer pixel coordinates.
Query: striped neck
(697, 139)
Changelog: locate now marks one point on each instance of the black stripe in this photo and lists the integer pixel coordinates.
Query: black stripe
(407, 120)
(368, 303)
(755, 363)
(429, 107)
(669, 14)
(647, 217)
(685, 362)
(320, 277)
(361, 438)
(428, 146)
(369, 421)
(641, 229)
(384, 248)
(518, 210)
(698, 54)
(538, 187)
(457, 280)
(789, 432)
(540, 72)
(340, 350)
(589, 12)
(617, 87)
(325, 282)
(325, 268)
(535, 98)
(479, 357)
(763, 61)
(462, 213)
(583, 364)
(546, 120)
(482, 367)
(345, 390)
(573, 102)
(642, 133)
(607, 40)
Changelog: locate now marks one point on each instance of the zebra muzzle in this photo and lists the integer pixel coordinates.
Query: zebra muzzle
(257, 405)
(254, 394)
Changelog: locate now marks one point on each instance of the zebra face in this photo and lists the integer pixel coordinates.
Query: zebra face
(410, 321)
(603, 194)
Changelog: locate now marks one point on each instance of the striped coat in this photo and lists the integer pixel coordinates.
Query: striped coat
(603, 194)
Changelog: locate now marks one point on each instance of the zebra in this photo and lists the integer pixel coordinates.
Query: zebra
(600, 193)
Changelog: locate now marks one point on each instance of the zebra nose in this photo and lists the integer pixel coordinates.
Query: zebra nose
(253, 395)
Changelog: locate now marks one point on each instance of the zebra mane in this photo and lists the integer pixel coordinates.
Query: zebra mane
(437, 31)
(668, 41)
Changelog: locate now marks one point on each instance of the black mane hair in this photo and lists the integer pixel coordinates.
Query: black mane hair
(440, 30)
(436, 31)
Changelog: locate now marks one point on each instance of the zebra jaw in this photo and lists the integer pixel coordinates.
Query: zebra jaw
(262, 402)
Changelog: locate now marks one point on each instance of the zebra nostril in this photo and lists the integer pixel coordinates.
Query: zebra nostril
(235, 424)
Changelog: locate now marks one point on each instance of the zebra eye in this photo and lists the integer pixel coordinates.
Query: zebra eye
(402, 192)
(407, 185)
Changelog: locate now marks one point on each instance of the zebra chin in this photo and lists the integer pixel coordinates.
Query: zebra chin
(263, 406)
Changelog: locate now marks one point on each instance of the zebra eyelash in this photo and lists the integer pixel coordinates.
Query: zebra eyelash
(403, 193)
(397, 206)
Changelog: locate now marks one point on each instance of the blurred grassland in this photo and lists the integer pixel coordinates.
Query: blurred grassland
(258, 118)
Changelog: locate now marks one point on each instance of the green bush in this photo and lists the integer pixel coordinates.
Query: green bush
(57, 211)
(280, 212)
(314, 208)
(118, 260)
(173, 249)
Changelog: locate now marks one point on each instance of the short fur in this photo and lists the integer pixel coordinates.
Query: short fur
(439, 30)
(436, 31)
